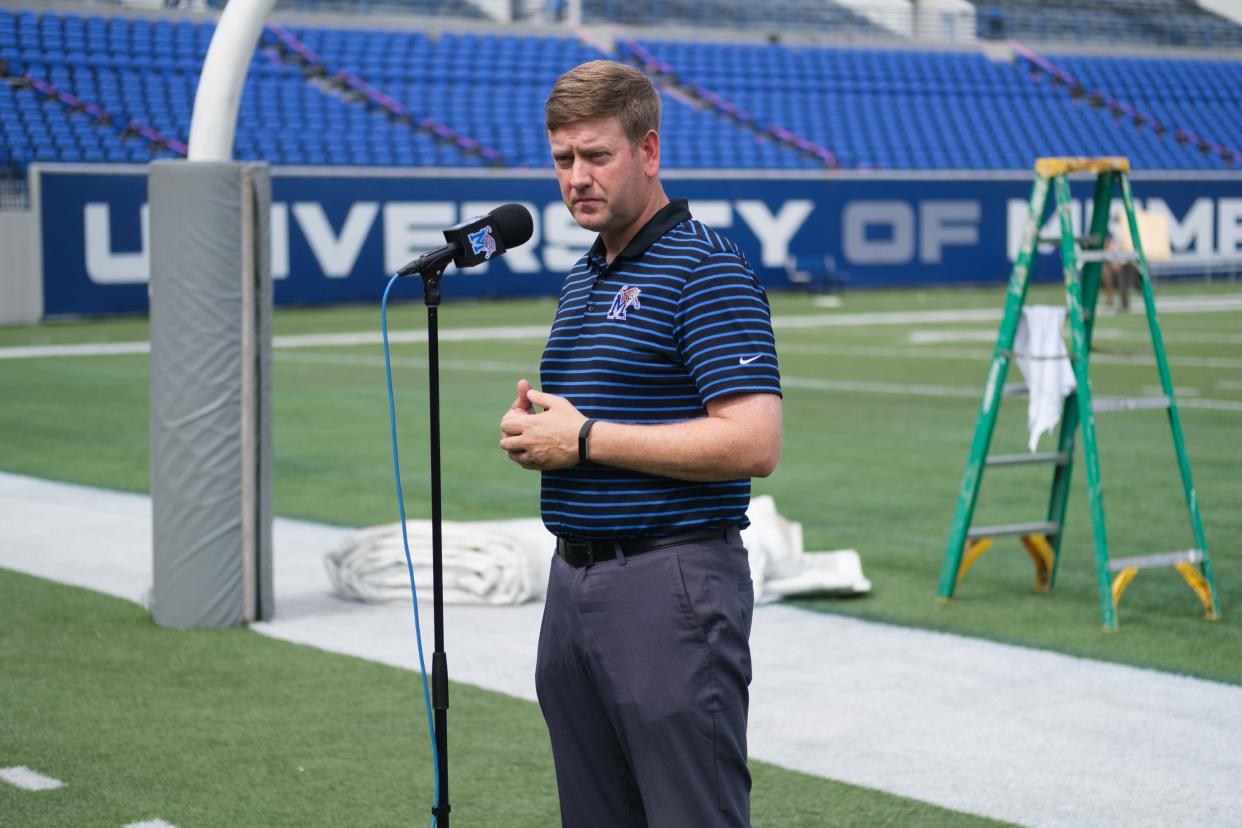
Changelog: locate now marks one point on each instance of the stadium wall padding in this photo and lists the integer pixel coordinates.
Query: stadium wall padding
(21, 282)
(338, 232)
(211, 356)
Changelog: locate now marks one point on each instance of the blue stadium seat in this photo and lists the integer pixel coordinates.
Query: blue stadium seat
(886, 107)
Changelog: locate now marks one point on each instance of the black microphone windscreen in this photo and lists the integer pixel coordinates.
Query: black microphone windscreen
(514, 224)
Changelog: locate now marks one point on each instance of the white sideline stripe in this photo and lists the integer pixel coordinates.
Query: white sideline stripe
(865, 703)
(29, 780)
(406, 364)
(298, 341)
(405, 337)
(151, 823)
(1183, 304)
(863, 387)
(808, 383)
(930, 337)
(979, 354)
(85, 349)
(854, 320)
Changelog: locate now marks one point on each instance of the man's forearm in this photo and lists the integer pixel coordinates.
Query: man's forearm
(705, 449)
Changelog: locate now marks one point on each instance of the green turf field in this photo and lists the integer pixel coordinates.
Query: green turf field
(229, 728)
(878, 418)
(873, 470)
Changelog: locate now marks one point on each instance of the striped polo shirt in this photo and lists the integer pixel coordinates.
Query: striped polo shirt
(676, 320)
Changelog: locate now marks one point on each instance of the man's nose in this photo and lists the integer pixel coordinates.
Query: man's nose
(579, 175)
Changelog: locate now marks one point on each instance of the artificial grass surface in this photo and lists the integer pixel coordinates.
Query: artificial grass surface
(230, 728)
(875, 471)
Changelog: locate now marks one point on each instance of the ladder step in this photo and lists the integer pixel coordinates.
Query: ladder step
(1128, 403)
(1107, 256)
(1058, 457)
(1088, 241)
(1190, 556)
(1037, 528)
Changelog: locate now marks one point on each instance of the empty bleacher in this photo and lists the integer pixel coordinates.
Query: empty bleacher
(121, 89)
(907, 109)
(1146, 22)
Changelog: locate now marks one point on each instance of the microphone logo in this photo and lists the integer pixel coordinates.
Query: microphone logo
(482, 242)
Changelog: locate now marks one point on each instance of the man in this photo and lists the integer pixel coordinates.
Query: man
(661, 399)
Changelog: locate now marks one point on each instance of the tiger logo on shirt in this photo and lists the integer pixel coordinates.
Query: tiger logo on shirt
(626, 298)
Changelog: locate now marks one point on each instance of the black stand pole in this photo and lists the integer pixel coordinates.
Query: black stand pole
(439, 666)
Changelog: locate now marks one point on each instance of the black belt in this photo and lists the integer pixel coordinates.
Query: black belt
(588, 552)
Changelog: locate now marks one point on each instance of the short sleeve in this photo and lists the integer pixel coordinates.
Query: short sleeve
(724, 330)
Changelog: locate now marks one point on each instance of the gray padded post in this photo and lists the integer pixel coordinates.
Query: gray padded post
(211, 460)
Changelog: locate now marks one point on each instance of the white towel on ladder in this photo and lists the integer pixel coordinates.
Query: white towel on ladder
(1043, 362)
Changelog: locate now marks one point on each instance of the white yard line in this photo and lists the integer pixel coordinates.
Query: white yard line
(29, 780)
(151, 823)
(979, 354)
(1027, 736)
(988, 335)
(1183, 304)
(807, 383)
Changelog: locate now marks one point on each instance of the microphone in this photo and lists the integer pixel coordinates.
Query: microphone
(477, 240)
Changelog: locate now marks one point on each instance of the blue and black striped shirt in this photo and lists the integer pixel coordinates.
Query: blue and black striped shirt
(676, 320)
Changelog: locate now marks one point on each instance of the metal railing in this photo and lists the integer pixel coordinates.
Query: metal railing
(1137, 25)
(14, 194)
(1185, 30)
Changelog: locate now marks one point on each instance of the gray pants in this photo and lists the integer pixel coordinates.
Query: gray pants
(642, 676)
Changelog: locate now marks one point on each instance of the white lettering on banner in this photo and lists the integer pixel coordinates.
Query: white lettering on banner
(103, 265)
(279, 224)
(412, 228)
(775, 231)
(1193, 234)
(1206, 221)
(1228, 227)
(946, 222)
(336, 255)
(897, 216)
(715, 213)
(518, 259)
(565, 240)
(1051, 228)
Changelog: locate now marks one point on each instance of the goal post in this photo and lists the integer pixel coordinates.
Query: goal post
(211, 309)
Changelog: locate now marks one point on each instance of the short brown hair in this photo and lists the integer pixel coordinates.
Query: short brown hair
(601, 89)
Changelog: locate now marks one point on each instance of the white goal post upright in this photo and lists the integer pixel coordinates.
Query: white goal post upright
(211, 305)
(214, 121)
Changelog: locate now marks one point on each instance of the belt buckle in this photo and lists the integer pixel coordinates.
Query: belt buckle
(576, 547)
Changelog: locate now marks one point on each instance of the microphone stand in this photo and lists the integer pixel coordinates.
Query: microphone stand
(431, 273)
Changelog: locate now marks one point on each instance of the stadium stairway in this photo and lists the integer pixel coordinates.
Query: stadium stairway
(1206, 94)
(355, 88)
(96, 137)
(909, 109)
(665, 75)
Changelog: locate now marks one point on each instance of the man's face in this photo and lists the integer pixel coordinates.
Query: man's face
(604, 179)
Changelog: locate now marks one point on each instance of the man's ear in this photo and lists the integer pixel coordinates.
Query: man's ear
(650, 149)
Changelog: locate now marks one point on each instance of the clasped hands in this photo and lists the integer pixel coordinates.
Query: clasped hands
(544, 441)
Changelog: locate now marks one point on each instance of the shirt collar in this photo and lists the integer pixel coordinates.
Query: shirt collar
(668, 217)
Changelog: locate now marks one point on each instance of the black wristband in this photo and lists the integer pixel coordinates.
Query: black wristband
(584, 455)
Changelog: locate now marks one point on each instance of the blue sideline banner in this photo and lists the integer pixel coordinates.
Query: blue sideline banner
(337, 234)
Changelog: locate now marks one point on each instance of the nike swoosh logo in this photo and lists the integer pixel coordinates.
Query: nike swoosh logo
(747, 360)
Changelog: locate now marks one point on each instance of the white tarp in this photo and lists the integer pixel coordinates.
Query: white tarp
(506, 561)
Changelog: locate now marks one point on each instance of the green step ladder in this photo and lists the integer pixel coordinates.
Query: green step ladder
(1082, 262)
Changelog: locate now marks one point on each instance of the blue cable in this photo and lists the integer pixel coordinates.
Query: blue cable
(409, 563)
